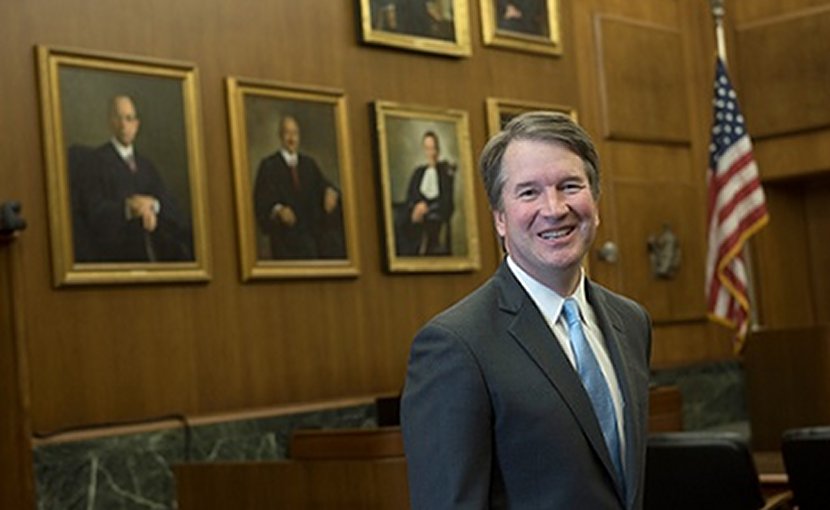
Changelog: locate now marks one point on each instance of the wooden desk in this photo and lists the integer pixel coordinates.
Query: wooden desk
(340, 468)
(786, 381)
(367, 484)
(665, 410)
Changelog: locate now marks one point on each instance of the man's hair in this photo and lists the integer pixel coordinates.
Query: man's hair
(434, 136)
(551, 127)
(285, 119)
(114, 99)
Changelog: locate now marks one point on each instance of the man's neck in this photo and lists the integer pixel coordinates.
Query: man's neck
(121, 149)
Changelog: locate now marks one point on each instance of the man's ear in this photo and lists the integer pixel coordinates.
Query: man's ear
(498, 221)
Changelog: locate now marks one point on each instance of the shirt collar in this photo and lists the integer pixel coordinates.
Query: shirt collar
(290, 158)
(123, 151)
(547, 300)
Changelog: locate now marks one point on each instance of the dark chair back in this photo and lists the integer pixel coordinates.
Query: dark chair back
(692, 470)
(806, 454)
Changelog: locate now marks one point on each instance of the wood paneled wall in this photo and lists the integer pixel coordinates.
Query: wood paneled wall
(645, 75)
(102, 354)
(16, 470)
(780, 56)
(638, 73)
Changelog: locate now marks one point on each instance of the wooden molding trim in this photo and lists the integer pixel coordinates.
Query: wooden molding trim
(173, 421)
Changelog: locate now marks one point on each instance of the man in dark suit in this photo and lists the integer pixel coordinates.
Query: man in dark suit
(430, 203)
(122, 203)
(531, 392)
(295, 205)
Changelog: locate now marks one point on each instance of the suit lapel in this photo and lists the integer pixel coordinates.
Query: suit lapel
(613, 333)
(528, 328)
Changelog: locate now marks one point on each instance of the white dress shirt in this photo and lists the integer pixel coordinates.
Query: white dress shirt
(550, 305)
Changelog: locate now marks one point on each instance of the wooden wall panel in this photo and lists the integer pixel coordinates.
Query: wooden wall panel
(793, 156)
(757, 10)
(102, 354)
(654, 157)
(783, 63)
(817, 211)
(784, 78)
(674, 345)
(647, 208)
(643, 83)
(781, 259)
(16, 472)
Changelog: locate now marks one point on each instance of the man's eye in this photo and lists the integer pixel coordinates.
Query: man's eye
(573, 187)
(527, 193)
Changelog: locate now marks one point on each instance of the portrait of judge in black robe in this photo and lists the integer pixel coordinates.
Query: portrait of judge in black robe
(425, 227)
(296, 206)
(122, 210)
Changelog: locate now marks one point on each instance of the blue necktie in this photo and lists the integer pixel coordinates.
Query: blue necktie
(595, 384)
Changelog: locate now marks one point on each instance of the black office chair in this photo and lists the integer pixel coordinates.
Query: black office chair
(696, 470)
(806, 454)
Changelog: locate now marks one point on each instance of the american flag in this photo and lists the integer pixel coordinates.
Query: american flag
(737, 209)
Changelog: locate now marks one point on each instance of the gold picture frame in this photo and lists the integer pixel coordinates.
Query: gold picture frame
(442, 236)
(499, 111)
(131, 217)
(525, 25)
(432, 26)
(319, 237)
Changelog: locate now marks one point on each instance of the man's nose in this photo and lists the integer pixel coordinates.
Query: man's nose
(555, 203)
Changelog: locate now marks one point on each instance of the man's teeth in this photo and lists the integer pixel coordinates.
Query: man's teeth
(556, 234)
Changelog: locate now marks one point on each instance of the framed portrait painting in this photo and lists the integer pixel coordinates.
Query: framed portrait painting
(426, 177)
(432, 26)
(293, 179)
(526, 25)
(124, 163)
(499, 111)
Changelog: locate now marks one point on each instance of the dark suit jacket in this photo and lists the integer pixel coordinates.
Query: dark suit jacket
(495, 416)
(315, 234)
(102, 182)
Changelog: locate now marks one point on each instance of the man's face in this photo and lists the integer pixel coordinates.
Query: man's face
(548, 217)
(290, 135)
(124, 121)
(430, 150)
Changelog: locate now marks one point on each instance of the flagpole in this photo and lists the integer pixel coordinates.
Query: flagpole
(718, 12)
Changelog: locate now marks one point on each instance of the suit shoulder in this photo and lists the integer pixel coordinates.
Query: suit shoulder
(622, 304)
(269, 160)
(470, 313)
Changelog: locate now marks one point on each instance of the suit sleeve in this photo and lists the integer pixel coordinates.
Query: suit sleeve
(447, 424)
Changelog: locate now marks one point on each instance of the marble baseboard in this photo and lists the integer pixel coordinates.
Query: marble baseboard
(714, 394)
(134, 471)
